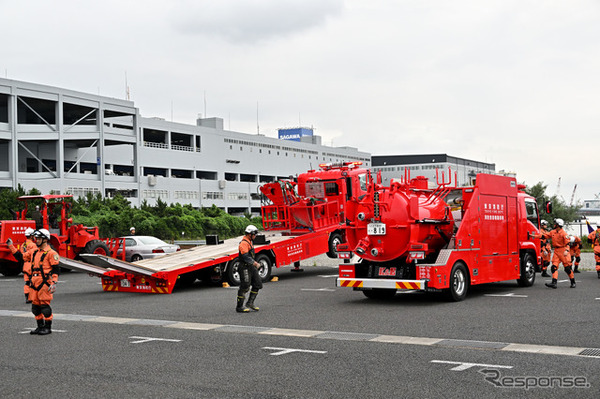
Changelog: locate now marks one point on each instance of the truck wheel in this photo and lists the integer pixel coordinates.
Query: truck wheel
(264, 271)
(96, 247)
(459, 282)
(10, 269)
(233, 276)
(380, 293)
(335, 239)
(527, 271)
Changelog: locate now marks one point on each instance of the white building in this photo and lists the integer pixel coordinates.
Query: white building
(397, 166)
(69, 142)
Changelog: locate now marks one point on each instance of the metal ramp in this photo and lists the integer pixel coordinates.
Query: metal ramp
(107, 262)
(82, 267)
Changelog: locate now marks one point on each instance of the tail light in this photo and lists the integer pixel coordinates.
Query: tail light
(158, 251)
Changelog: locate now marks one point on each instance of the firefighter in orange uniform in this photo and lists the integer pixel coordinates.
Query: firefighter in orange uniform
(44, 276)
(546, 249)
(560, 243)
(594, 239)
(28, 245)
(575, 251)
(248, 270)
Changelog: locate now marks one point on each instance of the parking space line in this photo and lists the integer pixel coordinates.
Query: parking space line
(332, 335)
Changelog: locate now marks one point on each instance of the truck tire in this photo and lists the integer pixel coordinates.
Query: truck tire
(459, 282)
(335, 239)
(527, 271)
(380, 293)
(264, 271)
(9, 268)
(233, 276)
(213, 275)
(96, 247)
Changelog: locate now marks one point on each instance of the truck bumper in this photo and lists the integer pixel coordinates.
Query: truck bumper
(367, 283)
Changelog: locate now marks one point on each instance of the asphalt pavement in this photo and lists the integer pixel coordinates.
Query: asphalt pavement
(310, 339)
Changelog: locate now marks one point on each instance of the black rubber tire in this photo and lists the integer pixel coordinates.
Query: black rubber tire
(10, 269)
(136, 257)
(233, 277)
(335, 239)
(527, 271)
(459, 282)
(264, 271)
(96, 247)
(380, 293)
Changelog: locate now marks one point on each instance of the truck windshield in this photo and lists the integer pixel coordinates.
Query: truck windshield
(362, 179)
(532, 212)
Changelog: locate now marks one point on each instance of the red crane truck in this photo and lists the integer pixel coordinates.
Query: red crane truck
(411, 237)
(52, 213)
(302, 220)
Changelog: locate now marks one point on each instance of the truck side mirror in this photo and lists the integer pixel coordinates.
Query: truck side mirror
(548, 207)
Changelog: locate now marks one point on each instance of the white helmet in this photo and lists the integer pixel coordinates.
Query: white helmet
(29, 232)
(559, 222)
(42, 233)
(544, 223)
(572, 239)
(132, 228)
(251, 229)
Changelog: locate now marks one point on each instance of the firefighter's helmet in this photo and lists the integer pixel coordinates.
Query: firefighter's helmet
(42, 233)
(559, 222)
(29, 232)
(251, 229)
(544, 223)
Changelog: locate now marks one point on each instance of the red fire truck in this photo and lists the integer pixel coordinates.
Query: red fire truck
(302, 219)
(411, 237)
(51, 213)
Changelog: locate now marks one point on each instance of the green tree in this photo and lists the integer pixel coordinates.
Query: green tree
(560, 209)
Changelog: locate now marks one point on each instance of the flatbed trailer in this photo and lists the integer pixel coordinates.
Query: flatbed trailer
(160, 275)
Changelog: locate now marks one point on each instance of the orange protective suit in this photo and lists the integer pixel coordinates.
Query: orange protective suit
(560, 243)
(28, 246)
(44, 274)
(594, 237)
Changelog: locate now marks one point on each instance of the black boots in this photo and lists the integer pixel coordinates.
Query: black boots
(599, 274)
(545, 274)
(240, 305)
(573, 283)
(251, 298)
(552, 284)
(40, 327)
(576, 269)
(47, 329)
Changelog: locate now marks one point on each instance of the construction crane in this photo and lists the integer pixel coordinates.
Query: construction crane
(573, 195)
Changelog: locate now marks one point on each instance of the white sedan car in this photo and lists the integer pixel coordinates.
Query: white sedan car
(146, 247)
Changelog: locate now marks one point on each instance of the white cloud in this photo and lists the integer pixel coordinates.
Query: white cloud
(251, 21)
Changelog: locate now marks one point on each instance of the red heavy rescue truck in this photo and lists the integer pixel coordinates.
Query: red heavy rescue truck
(68, 239)
(302, 220)
(411, 237)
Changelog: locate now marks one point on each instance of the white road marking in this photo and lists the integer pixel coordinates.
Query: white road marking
(285, 351)
(510, 294)
(328, 275)
(149, 339)
(462, 366)
(318, 289)
(8, 280)
(53, 330)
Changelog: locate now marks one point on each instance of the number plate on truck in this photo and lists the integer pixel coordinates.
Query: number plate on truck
(376, 229)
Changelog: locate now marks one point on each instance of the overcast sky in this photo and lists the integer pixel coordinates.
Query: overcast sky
(511, 82)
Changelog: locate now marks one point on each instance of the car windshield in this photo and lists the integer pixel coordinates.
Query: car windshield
(151, 241)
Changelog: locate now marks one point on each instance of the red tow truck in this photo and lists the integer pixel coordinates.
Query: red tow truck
(411, 237)
(301, 219)
(53, 214)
